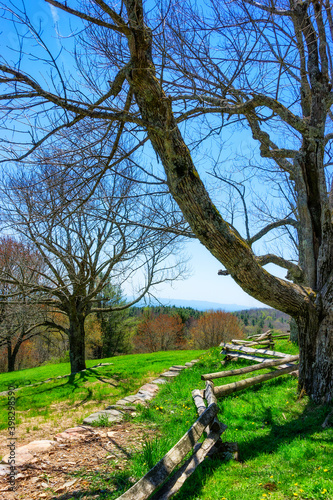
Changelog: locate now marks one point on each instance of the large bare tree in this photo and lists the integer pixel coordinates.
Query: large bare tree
(169, 73)
(85, 243)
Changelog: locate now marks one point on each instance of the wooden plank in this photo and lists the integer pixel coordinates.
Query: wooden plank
(159, 473)
(210, 397)
(249, 343)
(209, 393)
(245, 356)
(178, 479)
(215, 425)
(224, 390)
(250, 350)
(261, 336)
(197, 396)
(248, 369)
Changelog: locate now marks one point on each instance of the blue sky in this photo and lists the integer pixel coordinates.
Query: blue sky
(204, 282)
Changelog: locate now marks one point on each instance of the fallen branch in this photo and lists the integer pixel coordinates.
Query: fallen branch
(224, 390)
(159, 473)
(248, 369)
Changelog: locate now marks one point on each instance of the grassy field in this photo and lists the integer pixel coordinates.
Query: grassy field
(284, 451)
(98, 386)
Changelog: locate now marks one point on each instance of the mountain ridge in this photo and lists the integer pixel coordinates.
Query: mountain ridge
(200, 305)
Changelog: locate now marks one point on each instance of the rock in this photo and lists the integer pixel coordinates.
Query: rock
(112, 415)
(121, 407)
(177, 367)
(189, 365)
(73, 433)
(21, 458)
(145, 395)
(135, 398)
(24, 454)
(153, 388)
(170, 373)
(159, 381)
(4, 470)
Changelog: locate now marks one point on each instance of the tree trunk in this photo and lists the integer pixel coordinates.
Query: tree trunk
(77, 353)
(316, 355)
(11, 357)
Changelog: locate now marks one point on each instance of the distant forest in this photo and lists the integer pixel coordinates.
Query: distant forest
(147, 329)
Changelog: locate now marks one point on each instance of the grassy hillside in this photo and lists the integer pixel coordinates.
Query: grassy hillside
(86, 390)
(285, 453)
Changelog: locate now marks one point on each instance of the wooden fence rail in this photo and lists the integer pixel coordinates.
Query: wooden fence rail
(224, 390)
(248, 369)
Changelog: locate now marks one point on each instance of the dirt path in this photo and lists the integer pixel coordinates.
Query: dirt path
(51, 475)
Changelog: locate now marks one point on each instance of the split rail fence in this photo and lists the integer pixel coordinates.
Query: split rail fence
(160, 477)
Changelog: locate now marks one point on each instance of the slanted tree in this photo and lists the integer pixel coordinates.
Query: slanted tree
(264, 65)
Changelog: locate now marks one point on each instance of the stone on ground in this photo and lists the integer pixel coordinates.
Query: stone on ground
(24, 454)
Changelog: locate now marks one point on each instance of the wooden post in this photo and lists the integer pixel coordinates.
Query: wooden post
(209, 393)
(197, 396)
(210, 397)
(157, 475)
(248, 369)
(224, 390)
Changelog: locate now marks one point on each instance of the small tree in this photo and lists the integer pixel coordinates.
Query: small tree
(160, 332)
(115, 325)
(213, 328)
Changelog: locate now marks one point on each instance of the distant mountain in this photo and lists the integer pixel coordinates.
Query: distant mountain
(200, 305)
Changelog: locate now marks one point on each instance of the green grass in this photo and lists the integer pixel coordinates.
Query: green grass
(100, 385)
(285, 453)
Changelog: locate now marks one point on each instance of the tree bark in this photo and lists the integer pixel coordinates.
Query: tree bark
(76, 332)
(316, 364)
(10, 357)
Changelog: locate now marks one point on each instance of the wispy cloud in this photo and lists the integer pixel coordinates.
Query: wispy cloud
(54, 14)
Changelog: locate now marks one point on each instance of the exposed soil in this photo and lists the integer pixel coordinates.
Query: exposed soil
(52, 474)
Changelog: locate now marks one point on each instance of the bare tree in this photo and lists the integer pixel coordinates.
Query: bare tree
(266, 66)
(86, 245)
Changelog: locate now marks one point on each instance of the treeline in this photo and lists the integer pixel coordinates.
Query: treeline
(133, 330)
(256, 321)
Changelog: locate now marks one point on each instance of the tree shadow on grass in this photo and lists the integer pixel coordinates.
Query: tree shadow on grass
(308, 423)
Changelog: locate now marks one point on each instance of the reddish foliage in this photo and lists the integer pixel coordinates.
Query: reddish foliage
(159, 333)
(213, 328)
